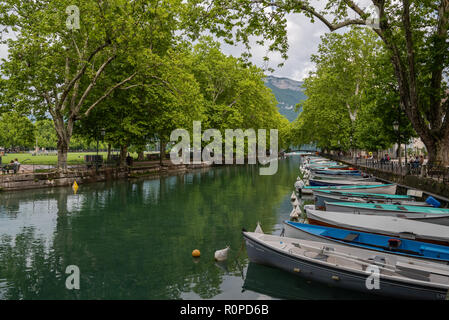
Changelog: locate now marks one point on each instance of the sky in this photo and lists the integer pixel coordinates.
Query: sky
(303, 40)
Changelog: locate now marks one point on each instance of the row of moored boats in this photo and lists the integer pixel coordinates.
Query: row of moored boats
(360, 235)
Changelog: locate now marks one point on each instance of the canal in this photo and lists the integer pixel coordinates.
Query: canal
(133, 239)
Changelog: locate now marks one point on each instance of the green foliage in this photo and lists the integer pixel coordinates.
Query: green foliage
(127, 70)
(16, 131)
(351, 100)
(46, 134)
(414, 34)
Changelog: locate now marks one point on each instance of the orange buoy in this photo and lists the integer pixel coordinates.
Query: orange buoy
(196, 253)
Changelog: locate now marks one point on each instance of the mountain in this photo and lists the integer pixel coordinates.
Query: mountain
(288, 93)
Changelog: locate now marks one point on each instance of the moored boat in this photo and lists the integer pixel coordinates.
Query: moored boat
(335, 172)
(425, 214)
(341, 182)
(416, 249)
(340, 177)
(350, 268)
(384, 225)
(380, 188)
(320, 196)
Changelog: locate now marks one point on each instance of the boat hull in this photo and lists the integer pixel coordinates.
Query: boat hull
(318, 182)
(442, 219)
(422, 250)
(385, 189)
(262, 254)
(321, 198)
(339, 177)
(387, 226)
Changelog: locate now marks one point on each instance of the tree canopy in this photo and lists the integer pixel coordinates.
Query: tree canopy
(352, 98)
(126, 67)
(414, 34)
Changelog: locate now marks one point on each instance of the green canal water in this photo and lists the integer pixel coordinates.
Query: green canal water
(134, 239)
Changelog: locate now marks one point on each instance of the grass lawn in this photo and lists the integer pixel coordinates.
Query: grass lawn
(72, 157)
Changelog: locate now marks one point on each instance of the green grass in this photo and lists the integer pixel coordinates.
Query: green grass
(52, 159)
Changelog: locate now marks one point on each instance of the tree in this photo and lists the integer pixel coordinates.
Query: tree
(352, 97)
(415, 34)
(164, 99)
(375, 124)
(336, 89)
(235, 93)
(46, 134)
(62, 69)
(16, 131)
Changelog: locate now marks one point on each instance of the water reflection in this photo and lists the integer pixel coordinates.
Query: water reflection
(276, 283)
(133, 239)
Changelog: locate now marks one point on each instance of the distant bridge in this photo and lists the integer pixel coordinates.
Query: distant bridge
(305, 147)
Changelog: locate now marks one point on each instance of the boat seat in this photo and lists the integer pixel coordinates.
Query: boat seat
(378, 260)
(440, 252)
(351, 236)
(407, 235)
(421, 269)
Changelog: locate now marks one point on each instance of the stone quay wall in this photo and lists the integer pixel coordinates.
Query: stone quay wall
(23, 181)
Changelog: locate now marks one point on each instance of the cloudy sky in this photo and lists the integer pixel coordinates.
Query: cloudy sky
(303, 38)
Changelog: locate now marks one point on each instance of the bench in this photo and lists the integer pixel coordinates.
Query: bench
(93, 160)
(153, 156)
(10, 167)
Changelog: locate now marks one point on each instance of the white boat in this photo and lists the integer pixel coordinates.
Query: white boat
(320, 196)
(317, 176)
(341, 182)
(380, 188)
(351, 268)
(424, 214)
(390, 226)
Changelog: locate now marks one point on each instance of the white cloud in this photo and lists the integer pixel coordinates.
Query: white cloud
(303, 40)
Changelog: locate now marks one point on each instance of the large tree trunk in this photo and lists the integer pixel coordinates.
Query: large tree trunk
(63, 149)
(123, 153)
(64, 134)
(438, 150)
(141, 156)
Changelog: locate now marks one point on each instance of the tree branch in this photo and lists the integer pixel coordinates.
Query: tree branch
(81, 72)
(92, 84)
(303, 5)
(108, 92)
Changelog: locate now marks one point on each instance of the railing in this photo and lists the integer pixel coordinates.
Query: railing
(436, 172)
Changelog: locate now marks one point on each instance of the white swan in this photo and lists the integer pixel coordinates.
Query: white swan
(293, 196)
(221, 255)
(258, 228)
(295, 213)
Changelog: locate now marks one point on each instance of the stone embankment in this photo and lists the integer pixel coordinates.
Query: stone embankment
(53, 178)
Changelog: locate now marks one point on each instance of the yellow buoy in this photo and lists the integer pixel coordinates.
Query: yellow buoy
(196, 253)
(75, 187)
